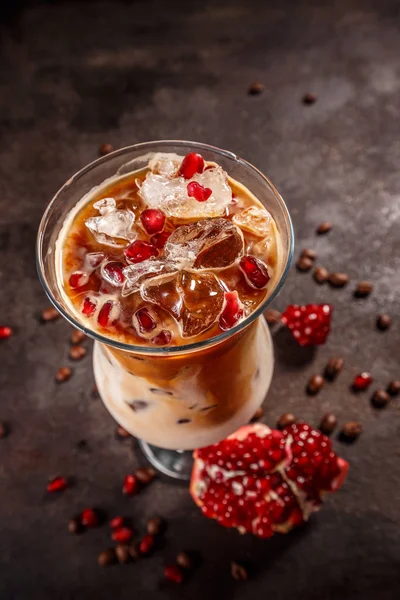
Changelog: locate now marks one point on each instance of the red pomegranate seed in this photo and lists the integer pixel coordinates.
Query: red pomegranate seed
(89, 307)
(146, 544)
(116, 522)
(163, 338)
(58, 484)
(191, 164)
(198, 192)
(255, 271)
(89, 517)
(309, 324)
(5, 332)
(122, 535)
(362, 381)
(153, 220)
(78, 279)
(145, 320)
(112, 272)
(232, 312)
(139, 251)
(173, 573)
(130, 486)
(160, 239)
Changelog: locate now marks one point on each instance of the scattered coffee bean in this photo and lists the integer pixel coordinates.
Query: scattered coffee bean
(105, 149)
(394, 387)
(315, 384)
(155, 525)
(309, 98)
(320, 274)
(351, 430)
(304, 264)
(286, 420)
(4, 430)
(272, 316)
(173, 573)
(256, 88)
(122, 553)
(146, 544)
(122, 433)
(49, 314)
(238, 572)
(107, 557)
(122, 535)
(134, 552)
(380, 399)
(308, 253)
(75, 525)
(77, 352)
(258, 414)
(145, 474)
(383, 322)
(77, 336)
(183, 560)
(363, 289)
(328, 423)
(63, 374)
(338, 280)
(324, 227)
(333, 367)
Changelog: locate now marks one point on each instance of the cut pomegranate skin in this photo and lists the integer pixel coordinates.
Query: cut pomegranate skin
(263, 481)
(309, 324)
(192, 163)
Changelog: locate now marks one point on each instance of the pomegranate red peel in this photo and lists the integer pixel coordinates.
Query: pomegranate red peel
(263, 481)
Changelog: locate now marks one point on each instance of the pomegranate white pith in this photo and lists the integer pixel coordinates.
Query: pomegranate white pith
(263, 481)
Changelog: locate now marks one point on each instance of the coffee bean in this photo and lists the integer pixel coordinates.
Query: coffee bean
(77, 336)
(272, 316)
(324, 227)
(328, 423)
(183, 421)
(155, 525)
(363, 289)
(105, 149)
(380, 399)
(145, 474)
(256, 88)
(338, 280)
(122, 433)
(351, 431)
(320, 275)
(383, 322)
(49, 314)
(309, 98)
(63, 374)
(107, 557)
(285, 420)
(315, 384)
(77, 352)
(333, 367)
(75, 525)
(133, 550)
(258, 414)
(308, 253)
(304, 264)
(4, 430)
(122, 553)
(238, 572)
(394, 387)
(138, 405)
(183, 560)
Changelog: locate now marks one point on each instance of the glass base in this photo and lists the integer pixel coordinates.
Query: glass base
(174, 463)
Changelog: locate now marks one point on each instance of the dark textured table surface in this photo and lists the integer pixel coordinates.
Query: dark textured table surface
(75, 75)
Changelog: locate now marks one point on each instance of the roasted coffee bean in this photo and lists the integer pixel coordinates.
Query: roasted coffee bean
(363, 289)
(286, 420)
(394, 387)
(75, 525)
(122, 553)
(133, 550)
(122, 433)
(338, 280)
(49, 314)
(4, 430)
(380, 399)
(304, 264)
(258, 414)
(77, 352)
(324, 227)
(77, 336)
(320, 274)
(255, 88)
(315, 384)
(105, 149)
(328, 423)
(383, 322)
(155, 525)
(272, 316)
(63, 374)
(183, 560)
(308, 253)
(333, 367)
(107, 557)
(309, 98)
(145, 474)
(351, 430)
(238, 572)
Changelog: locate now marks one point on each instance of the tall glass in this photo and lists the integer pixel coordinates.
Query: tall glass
(177, 398)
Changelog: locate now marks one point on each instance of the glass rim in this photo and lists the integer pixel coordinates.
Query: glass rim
(167, 350)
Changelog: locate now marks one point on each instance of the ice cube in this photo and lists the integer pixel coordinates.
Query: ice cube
(113, 225)
(105, 206)
(166, 164)
(136, 273)
(254, 220)
(170, 194)
(163, 291)
(206, 244)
